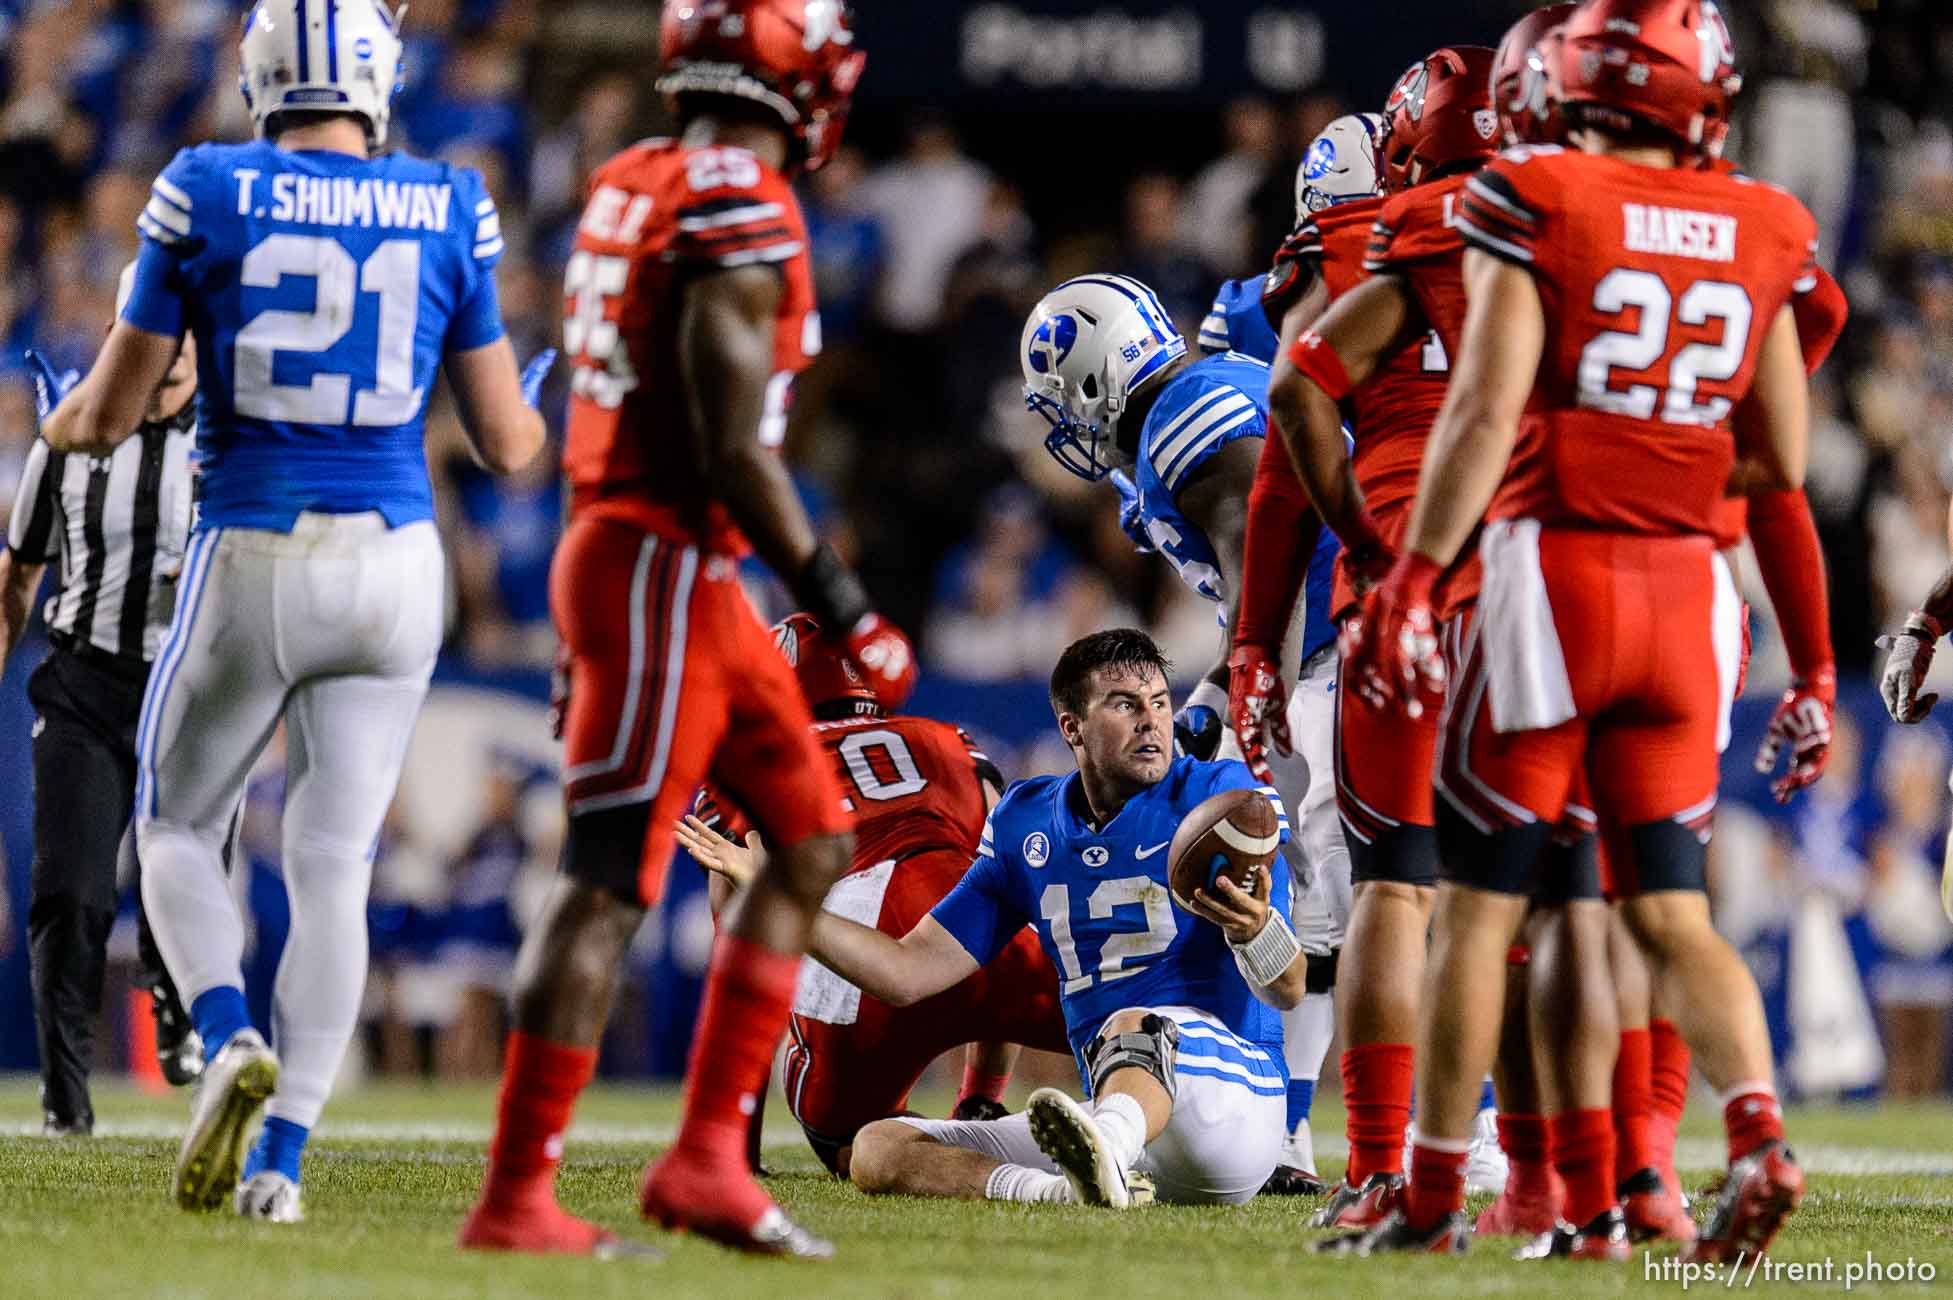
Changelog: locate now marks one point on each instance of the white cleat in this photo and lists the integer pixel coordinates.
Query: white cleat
(270, 1196)
(1067, 1133)
(1486, 1166)
(233, 1088)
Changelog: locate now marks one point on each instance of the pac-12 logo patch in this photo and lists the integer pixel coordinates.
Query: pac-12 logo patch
(1037, 849)
(1096, 856)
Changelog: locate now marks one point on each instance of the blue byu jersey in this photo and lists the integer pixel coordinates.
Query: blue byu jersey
(1100, 903)
(1237, 323)
(323, 291)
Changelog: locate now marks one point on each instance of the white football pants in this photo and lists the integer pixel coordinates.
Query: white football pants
(332, 628)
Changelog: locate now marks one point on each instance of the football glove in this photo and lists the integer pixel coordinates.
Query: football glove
(1908, 659)
(1802, 722)
(1257, 707)
(1391, 653)
(885, 657)
(533, 375)
(1129, 521)
(50, 386)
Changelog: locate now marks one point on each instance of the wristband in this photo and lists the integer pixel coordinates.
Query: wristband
(1208, 695)
(1267, 957)
(831, 592)
(1919, 621)
(1318, 361)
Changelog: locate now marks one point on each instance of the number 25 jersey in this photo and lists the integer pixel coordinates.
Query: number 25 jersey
(1659, 286)
(323, 291)
(657, 214)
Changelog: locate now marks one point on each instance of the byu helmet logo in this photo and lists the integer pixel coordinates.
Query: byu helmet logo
(1322, 157)
(1052, 343)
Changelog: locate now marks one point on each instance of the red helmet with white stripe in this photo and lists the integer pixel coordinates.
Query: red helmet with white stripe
(1439, 113)
(1527, 113)
(1668, 64)
(796, 57)
(821, 663)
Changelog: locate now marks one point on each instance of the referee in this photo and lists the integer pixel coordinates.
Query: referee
(117, 526)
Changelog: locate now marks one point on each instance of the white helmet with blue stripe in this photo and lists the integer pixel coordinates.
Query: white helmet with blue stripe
(1341, 165)
(321, 56)
(1089, 345)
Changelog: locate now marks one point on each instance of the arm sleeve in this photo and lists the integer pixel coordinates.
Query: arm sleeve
(171, 235)
(1792, 562)
(1821, 312)
(978, 913)
(30, 529)
(1496, 215)
(478, 320)
(1277, 553)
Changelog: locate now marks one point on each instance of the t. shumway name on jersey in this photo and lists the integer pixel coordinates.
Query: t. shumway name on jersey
(344, 201)
(1678, 232)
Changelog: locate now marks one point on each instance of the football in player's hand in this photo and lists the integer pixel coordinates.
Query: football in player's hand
(1234, 834)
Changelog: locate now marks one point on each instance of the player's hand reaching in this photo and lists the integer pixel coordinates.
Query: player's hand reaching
(719, 855)
(50, 385)
(1257, 707)
(1240, 913)
(1129, 520)
(1391, 654)
(1802, 722)
(533, 375)
(1909, 657)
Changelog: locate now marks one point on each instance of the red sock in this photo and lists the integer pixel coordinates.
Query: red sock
(748, 993)
(1633, 1103)
(1669, 1076)
(540, 1083)
(1437, 1184)
(1377, 1096)
(978, 1084)
(1583, 1152)
(1751, 1117)
(1528, 1150)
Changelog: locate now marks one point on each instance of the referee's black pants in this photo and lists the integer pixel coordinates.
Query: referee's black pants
(86, 706)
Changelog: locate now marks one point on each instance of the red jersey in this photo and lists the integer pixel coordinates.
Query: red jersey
(913, 784)
(1658, 287)
(657, 213)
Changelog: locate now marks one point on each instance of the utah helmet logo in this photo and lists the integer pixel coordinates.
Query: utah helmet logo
(1037, 849)
(1485, 121)
(786, 639)
(1718, 49)
(1052, 343)
(1408, 94)
(823, 24)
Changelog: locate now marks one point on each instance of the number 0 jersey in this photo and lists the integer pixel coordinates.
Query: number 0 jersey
(658, 213)
(1100, 902)
(1659, 285)
(323, 291)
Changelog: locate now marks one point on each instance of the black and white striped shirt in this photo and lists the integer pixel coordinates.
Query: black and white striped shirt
(118, 525)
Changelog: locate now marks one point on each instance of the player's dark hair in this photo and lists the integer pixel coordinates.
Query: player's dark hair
(1125, 649)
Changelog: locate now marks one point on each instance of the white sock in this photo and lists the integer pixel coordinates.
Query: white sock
(1123, 1123)
(195, 920)
(1023, 1183)
(1307, 1028)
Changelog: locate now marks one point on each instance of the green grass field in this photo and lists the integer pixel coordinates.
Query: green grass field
(393, 1169)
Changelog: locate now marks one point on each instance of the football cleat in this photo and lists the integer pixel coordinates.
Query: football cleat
(1360, 1207)
(1603, 1238)
(1517, 1215)
(56, 1126)
(1395, 1236)
(1654, 1212)
(179, 1049)
(728, 1207)
(1290, 1181)
(1067, 1133)
(548, 1231)
(1759, 1193)
(979, 1110)
(270, 1196)
(234, 1087)
(1486, 1166)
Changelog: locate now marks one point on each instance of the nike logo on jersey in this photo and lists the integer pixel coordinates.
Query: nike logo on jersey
(1143, 854)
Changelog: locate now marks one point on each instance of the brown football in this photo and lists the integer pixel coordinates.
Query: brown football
(1234, 833)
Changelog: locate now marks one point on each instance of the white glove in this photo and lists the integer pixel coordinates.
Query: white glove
(1909, 658)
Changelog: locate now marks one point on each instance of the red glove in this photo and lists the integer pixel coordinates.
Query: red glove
(1390, 650)
(1803, 722)
(1743, 656)
(1257, 706)
(886, 659)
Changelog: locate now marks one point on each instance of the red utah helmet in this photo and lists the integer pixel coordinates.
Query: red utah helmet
(797, 57)
(1439, 112)
(1527, 114)
(827, 676)
(1668, 64)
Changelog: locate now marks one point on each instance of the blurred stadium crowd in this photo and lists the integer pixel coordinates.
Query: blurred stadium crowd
(911, 442)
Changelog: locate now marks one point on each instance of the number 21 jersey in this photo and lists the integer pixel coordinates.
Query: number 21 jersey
(658, 213)
(1658, 286)
(323, 291)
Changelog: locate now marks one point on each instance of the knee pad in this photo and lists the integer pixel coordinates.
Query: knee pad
(1501, 861)
(1152, 1047)
(1321, 972)
(1405, 855)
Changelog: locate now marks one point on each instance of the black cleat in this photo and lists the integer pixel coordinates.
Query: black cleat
(179, 1049)
(1604, 1238)
(1760, 1191)
(979, 1110)
(1395, 1236)
(1290, 1181)
(61, 1126)
(1362, 1208)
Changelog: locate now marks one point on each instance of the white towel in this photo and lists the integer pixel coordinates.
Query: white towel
(1524, 665)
